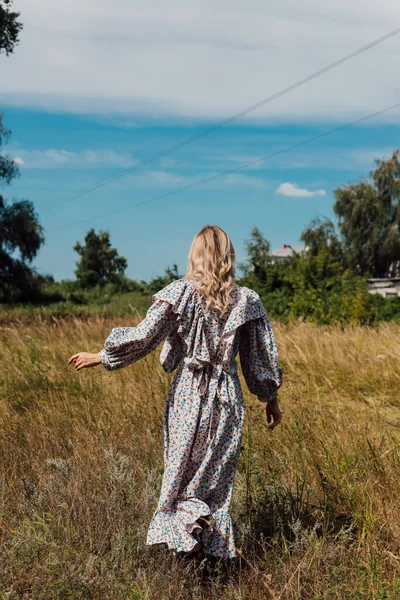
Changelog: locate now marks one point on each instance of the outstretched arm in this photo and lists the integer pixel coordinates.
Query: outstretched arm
(126, 345)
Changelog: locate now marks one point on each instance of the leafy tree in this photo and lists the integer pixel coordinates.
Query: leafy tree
(21, 236)
(258, 257)
(322, 234)
(369, 220)
(8, 168)
(99, 263)
(266, 276)
(10, 27)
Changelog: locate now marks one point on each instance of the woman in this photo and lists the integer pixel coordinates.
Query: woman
(205, 320)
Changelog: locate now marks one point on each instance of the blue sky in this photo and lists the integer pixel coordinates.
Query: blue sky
(68, 135)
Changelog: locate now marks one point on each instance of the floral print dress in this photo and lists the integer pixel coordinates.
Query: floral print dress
(203, 417)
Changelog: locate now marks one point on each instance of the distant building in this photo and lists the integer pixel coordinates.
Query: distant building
(286, 252)
(388, 288)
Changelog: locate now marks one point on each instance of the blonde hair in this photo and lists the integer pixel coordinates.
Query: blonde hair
(211, 267)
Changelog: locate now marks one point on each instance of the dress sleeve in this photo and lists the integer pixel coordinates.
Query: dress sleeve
(259, 358)
(172, 352)
(126, 345)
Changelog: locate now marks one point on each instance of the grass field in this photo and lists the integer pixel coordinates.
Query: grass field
(316, 503)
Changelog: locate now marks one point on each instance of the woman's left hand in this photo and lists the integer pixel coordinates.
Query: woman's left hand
(274, 413)
(84, 360)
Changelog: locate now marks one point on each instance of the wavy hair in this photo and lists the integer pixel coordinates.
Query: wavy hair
(211, 267)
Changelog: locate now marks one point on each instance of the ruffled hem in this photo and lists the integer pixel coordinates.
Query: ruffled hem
(218, 540)
(181, 531)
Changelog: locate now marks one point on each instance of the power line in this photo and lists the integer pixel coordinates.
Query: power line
(236, 169)
(224, 122)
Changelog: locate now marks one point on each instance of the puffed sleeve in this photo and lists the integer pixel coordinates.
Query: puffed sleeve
(126, 345)
(259, 358)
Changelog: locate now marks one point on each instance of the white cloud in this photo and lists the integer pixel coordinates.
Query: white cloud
(18, 160)
(56, 157)
(202, 60)
(293, 190)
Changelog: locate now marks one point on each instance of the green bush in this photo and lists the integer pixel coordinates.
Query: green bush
(386, 309)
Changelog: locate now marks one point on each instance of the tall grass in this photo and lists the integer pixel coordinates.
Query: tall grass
(316, 504)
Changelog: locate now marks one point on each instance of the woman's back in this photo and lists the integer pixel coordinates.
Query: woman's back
(204, 320)
(201, 339)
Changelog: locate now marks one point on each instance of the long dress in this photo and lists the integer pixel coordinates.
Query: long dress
(203, 416)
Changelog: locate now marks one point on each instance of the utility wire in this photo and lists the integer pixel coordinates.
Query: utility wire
(204, 133)
(236, 169)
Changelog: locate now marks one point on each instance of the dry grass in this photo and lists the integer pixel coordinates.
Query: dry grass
(316, 503)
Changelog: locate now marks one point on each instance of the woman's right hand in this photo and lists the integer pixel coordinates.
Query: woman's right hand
(84, 360)
(274, 413)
